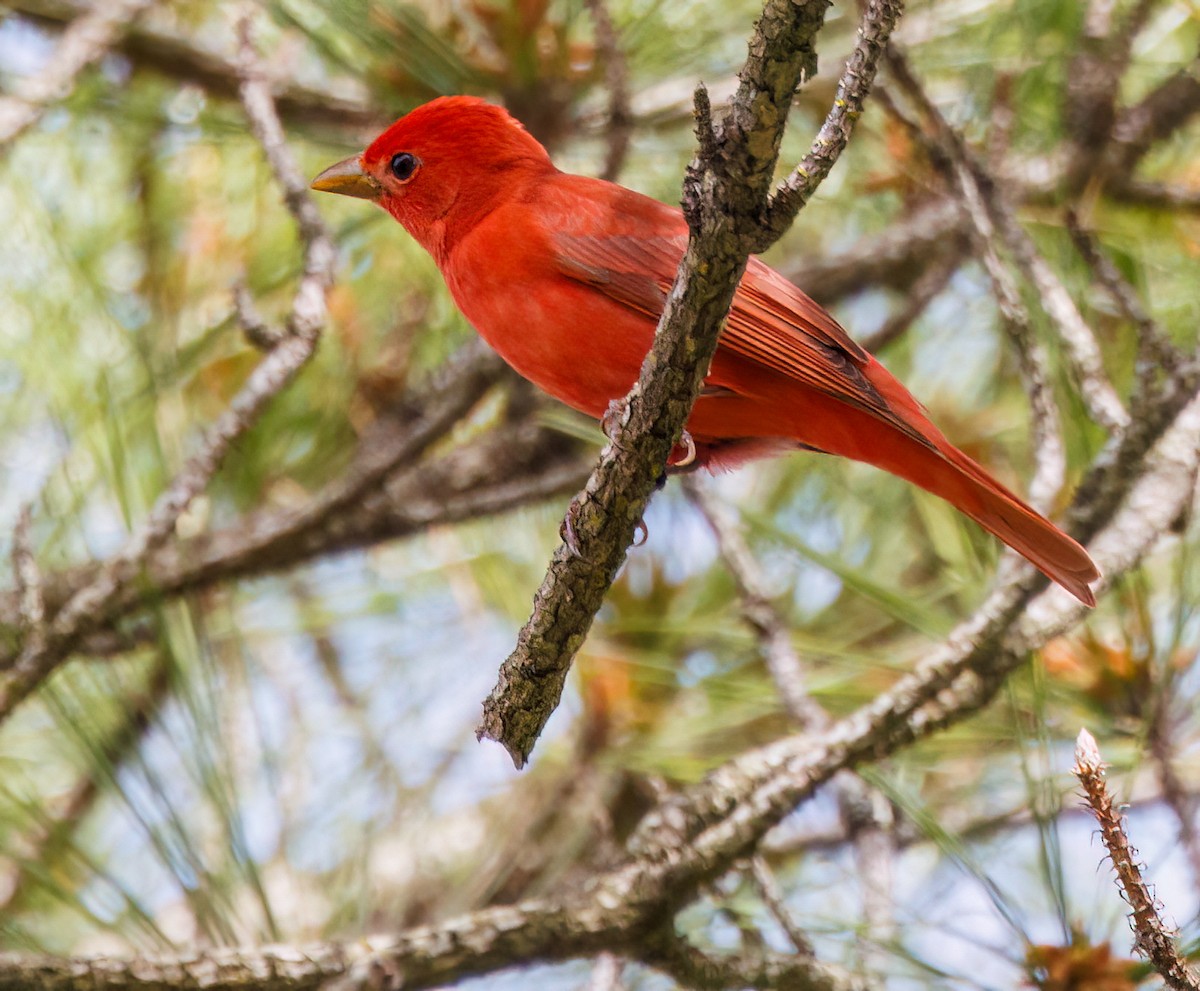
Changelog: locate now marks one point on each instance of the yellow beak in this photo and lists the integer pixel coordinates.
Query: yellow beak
(348, 178)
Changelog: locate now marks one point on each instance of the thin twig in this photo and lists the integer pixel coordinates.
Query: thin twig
(865, 815)
(786, 668)
(173, 49)
(854, 85)
(1080, 346)
(699, 834)
(388, 492)
(1049, 451)
(87, 40)
(1151, 936)
(1151, 338)
(1160, 113)
(258, 332)
(768, 890)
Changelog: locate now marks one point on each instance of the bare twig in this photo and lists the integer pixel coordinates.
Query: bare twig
(1151, 936)
(387, 493)
(81, 613)
(695, 836)
(1048, 449)
(258, 332)
(1165, 109)
(1079, 342)
(784, 664)
(726, 194)
(170, 50)
(1151, 339)
(865, 814)
(87, 39)
(1093, 83)
(768, 890)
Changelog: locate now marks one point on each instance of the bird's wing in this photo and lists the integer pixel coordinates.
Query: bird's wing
(772, 323)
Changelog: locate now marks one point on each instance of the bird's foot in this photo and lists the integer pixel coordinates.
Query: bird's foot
(641, 534)
(683, 457)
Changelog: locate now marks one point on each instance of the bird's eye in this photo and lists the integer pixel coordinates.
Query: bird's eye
(404, 165)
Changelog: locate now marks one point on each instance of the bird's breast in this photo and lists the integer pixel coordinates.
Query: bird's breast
(570, 340)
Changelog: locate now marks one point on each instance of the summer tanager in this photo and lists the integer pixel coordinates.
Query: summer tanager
(566, 277)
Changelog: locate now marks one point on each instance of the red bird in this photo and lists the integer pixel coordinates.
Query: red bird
(566, 277)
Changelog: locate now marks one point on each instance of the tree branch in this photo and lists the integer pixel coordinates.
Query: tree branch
(725, 199)
(690, 838)
(977, 186)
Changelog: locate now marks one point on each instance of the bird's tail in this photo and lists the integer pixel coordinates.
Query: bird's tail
(945, 471)
(965, 485)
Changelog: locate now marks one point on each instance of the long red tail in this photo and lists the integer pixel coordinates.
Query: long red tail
(949, 473)
(966, 486)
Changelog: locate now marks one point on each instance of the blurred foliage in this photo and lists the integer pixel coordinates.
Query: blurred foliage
(294, 756)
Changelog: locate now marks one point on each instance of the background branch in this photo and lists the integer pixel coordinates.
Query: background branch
(85, 41)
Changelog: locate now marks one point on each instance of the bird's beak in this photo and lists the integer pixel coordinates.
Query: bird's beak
(349, 179)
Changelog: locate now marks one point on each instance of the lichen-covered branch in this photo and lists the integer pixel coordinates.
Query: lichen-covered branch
(725, 199)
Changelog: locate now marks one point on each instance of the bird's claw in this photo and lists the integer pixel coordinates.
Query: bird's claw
(641, 534)
(688, 461)
(686, 440)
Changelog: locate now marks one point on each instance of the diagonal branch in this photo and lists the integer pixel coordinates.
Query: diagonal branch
(1048, 449)
(513, 465)
(185, 57)
(725, 199)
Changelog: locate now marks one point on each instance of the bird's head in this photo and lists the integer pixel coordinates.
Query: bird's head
(441, 168)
